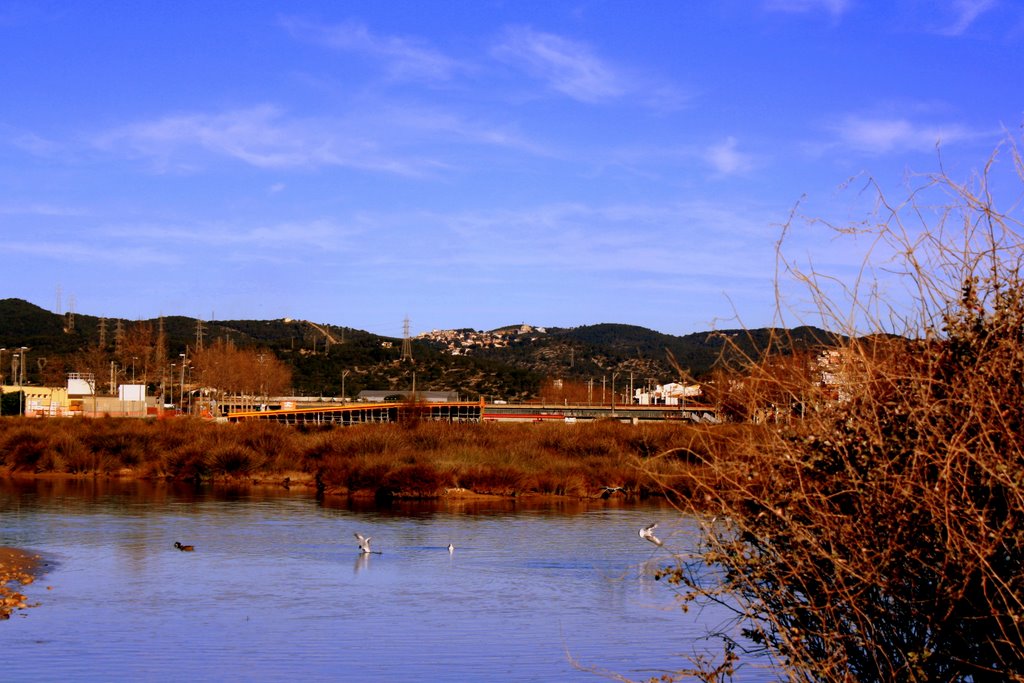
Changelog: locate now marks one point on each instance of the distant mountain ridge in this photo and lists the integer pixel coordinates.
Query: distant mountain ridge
(320, 354)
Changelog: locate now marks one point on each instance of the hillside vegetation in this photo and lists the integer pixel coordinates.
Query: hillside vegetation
(319, 354)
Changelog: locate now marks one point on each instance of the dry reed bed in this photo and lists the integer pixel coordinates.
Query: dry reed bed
(411, 459)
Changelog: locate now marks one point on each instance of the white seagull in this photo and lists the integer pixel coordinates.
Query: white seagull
(647, 533)
(364, 542)
(451, 548)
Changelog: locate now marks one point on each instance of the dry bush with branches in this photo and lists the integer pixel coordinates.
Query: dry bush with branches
(227, 369)
(875, 530)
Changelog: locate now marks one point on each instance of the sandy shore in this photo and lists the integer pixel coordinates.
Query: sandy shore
(17, 568)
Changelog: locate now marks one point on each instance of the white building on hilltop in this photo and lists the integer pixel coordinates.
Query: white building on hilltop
(671, 394)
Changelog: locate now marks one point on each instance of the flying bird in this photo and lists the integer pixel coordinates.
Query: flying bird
(647, 533)
(607, 491)
(184, 548)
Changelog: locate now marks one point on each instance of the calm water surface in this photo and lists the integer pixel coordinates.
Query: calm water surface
(277, 589)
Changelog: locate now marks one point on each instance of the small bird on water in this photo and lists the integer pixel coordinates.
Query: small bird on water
(184, 548)
(647, 533)
(364, 544)
(451, 548)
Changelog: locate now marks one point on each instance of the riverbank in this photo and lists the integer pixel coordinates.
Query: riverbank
(17, 568)
(417, 459)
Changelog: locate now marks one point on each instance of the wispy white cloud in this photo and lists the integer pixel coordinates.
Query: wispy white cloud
(259, 136)
(882, 135)
(387, 138)
(726, 158)
(30, 142)
(567, 66)
(964, 13)
(237, 238)
(41, 209)
(404, 58)
(81, 252)
(445, 126)
(36, 145)
(551, 240)
(836, 8)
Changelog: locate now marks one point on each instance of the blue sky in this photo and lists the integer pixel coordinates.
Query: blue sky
(473, 164)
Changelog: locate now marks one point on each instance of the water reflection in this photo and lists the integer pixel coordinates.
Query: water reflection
(278, 589)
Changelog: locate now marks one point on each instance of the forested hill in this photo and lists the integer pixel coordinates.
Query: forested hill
(507, 363)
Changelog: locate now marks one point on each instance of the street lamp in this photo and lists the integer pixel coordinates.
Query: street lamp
(344, 374)
(21, 378)
(614, 375)
(262, 388)
(181, 395)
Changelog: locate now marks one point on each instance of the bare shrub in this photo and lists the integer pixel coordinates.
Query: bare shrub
(275, 444)
(189, 463)
(24, 445)
(72, 454)
(234, 460)
(497, 479)
(416, 479)
(118, 442)
(366, 475)
(877, 533)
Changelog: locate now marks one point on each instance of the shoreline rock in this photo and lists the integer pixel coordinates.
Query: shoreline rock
(16, 567)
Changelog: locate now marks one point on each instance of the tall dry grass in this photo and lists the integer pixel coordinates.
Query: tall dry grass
(417, 458)
(874, 530)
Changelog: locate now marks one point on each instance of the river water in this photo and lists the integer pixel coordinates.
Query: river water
(278, 590)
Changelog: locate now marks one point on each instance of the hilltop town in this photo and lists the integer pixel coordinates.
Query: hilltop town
(465, 341)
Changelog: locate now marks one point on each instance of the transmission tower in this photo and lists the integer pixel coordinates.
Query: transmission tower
(118, 337)
(161, 345)
(406, 341)
(199, 335)
(69, 317)
(103, 333)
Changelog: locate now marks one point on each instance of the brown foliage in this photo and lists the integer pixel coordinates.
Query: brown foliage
(416, 459)
(248, 372)
(879, 536)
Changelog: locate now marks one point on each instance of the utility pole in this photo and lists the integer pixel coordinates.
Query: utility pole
(614, 375)
(181, 395)
(21, 380)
